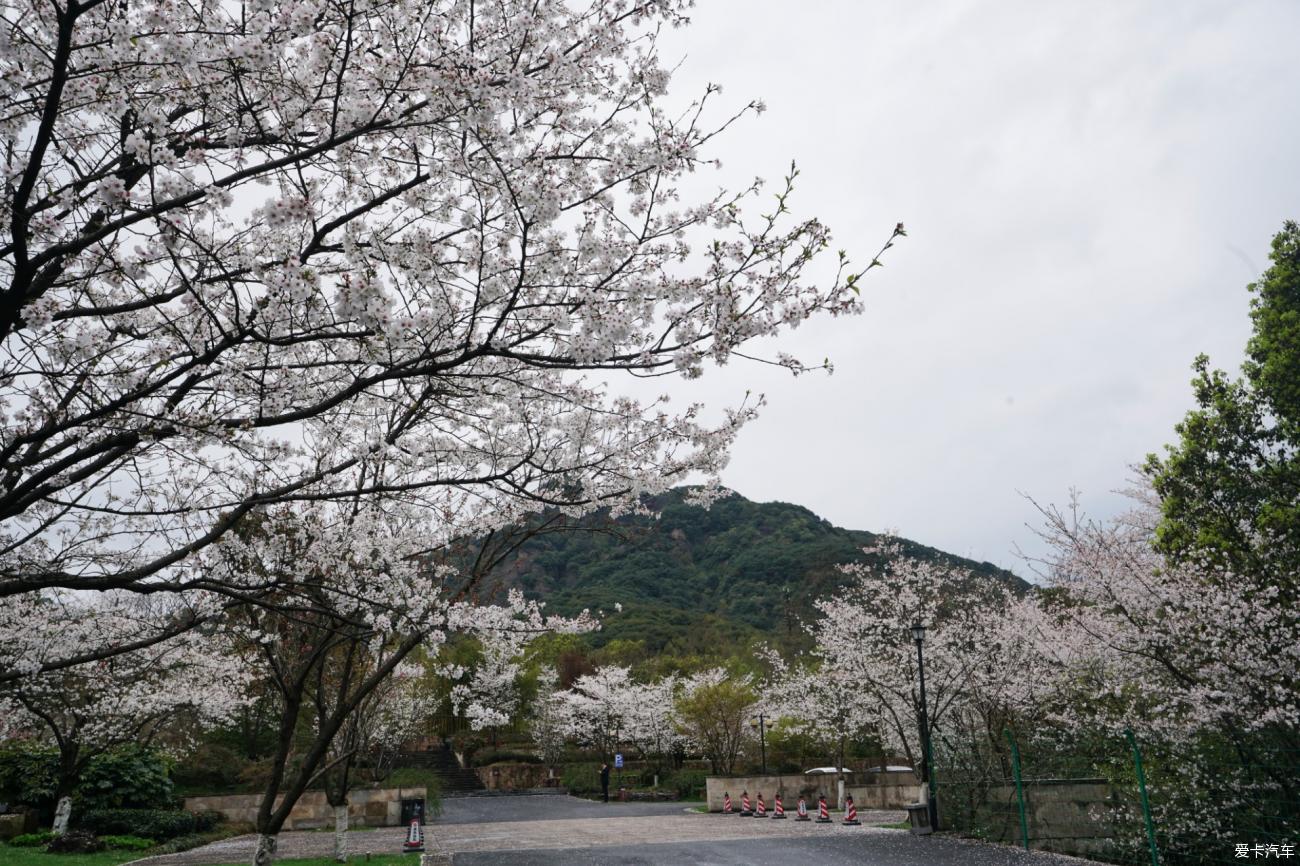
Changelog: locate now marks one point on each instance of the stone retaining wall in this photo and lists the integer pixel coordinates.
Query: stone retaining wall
(1067, 816)
(516, 777)
(868, 790)
(374, 807)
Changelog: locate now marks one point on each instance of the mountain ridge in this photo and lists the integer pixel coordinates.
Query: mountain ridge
(692, 580)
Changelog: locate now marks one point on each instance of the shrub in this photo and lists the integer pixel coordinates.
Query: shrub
(154, 823)
(689, 784)
(127, 843)
(128, 777)
(485, 757)
(207, 820)
(582, 778)
(28, 774)
(32, 840)
(75, 842)
(211, 767)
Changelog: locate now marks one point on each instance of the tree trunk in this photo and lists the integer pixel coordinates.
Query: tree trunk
(266, 845)
(62, 814)
(341, 833)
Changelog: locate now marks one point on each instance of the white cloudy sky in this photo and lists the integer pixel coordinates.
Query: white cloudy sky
(1088, 187)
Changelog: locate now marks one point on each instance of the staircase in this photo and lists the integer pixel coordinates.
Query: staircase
(457, 781)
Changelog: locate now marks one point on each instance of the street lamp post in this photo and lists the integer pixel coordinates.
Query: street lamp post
(918, 635)
(762, 740)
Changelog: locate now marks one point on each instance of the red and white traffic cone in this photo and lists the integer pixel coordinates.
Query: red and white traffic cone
(414, 838)
(850, 812)
(778, 811)
(823, 814)
(803, 811)
(762, 807)
(745, 811)
(726, 804)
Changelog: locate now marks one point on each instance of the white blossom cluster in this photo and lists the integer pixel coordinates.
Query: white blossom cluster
(298, 251)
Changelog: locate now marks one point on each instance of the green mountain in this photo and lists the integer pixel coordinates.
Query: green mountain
(704, 582)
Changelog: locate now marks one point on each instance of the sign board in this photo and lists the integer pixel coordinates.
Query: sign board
(618, 761)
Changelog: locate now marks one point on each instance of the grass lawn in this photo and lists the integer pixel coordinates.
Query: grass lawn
(11, 856)
(358, 859)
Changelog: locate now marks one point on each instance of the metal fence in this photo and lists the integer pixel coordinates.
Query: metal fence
(1124, 799)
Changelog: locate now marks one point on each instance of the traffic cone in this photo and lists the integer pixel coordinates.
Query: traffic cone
(823, 814)
(762, 807)
(414, 843)
(850, 811)
(745, 811)
(778, 811)
(803, 811)
(726, 804)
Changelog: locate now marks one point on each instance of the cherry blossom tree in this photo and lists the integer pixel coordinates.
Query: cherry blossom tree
(1202, 660)
(277, 252)
(374, 731)
(359, 594)
(864, 675)
(131, 697)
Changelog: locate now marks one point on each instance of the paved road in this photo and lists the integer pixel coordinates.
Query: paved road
(884, 848)
(551, 829)
(544, 807)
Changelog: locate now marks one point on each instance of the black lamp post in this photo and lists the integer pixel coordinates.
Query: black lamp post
(762, 740)
(918, 636)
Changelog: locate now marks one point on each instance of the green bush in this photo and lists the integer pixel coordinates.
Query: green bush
(154, 823)
(128, 777)
(485, 757)
(28, 774)
(582, 778)
(689, 784)
(75, 842)
(32, 840)
(127, 843)
(207, 819)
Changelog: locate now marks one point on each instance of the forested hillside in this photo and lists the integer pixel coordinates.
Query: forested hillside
(696, 581)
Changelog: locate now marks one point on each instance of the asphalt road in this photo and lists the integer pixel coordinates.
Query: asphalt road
(869, 849)
(544, 807)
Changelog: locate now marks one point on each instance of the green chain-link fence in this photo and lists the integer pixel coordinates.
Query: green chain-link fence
(1124, 798)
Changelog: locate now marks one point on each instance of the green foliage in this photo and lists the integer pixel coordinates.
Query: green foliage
(207, 819)
(156, 823)
(419, 777)
(32, 840)
(715, 716)
(1230, 487)
(484, 757)
(695, 583)
(28, 773)
(127, 843)
(582, 778)
(75, 842)
(37, 857)
(689, 784)
(131, 776)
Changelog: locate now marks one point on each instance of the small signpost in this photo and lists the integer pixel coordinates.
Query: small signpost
(618, 761)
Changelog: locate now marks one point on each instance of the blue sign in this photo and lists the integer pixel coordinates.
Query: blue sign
(618, 761)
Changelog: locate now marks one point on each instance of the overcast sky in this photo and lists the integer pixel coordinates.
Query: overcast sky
(1088, 187)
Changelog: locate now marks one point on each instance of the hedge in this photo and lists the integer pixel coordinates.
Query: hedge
(153, 823)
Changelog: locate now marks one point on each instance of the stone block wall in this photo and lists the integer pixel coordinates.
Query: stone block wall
(373, 807)
(516, 777)
(869, 791)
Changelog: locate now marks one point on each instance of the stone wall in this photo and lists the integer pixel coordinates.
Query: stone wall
(374, 807)
(1067, 816)
(516, 777)
(868, 790)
